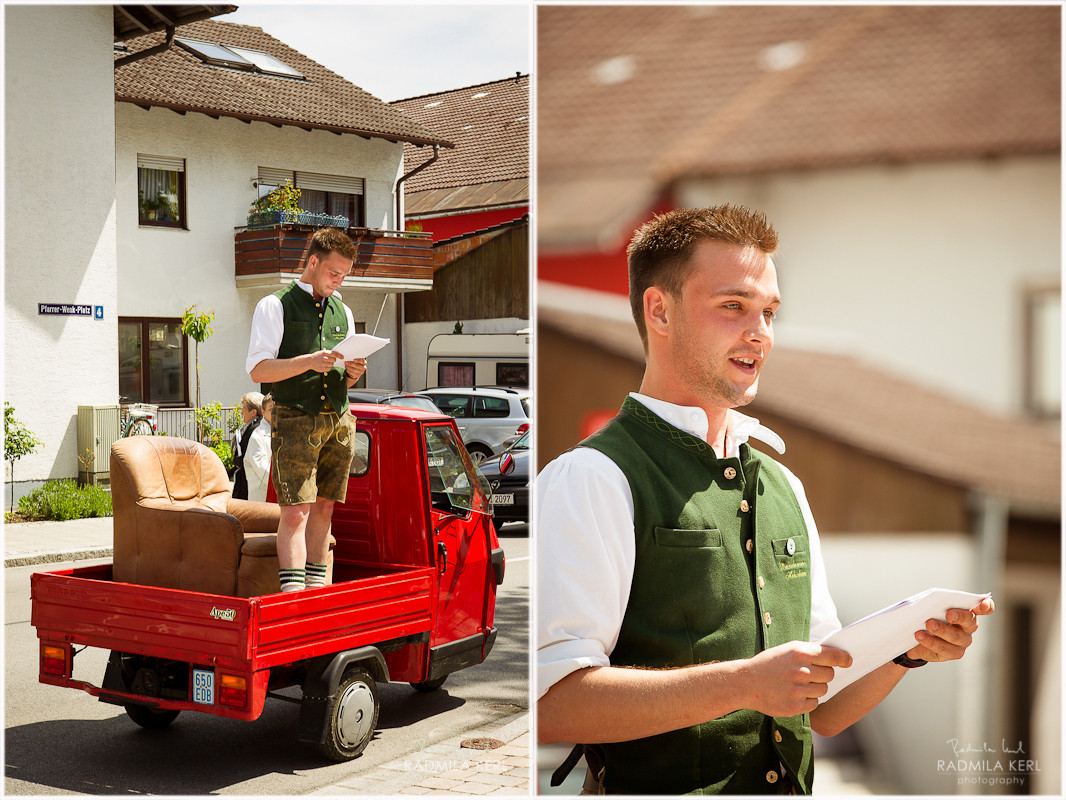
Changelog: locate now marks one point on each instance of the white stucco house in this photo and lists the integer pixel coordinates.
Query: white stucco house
(178, 132)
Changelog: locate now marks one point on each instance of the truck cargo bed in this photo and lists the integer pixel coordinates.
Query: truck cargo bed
(84, 606)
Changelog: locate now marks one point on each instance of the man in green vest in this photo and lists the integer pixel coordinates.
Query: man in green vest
(313, 434)
(681, 585)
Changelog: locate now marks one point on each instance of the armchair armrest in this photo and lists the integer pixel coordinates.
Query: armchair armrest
(255, 517)
(190, 548)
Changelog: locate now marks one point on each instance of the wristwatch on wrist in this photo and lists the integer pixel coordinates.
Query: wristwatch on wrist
(909, 663)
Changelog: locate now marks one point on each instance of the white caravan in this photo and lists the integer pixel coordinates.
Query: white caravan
(478, 359)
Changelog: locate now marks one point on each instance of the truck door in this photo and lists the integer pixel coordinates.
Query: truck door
(459, 515)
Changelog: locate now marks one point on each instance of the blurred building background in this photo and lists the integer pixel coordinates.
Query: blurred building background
(909, 157)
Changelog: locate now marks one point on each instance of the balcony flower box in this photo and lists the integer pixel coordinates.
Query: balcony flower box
(262, 220)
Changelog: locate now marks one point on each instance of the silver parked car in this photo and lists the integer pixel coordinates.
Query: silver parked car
(392, 397)
(486, 417)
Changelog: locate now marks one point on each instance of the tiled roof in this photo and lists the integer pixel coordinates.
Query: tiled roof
(178, 79)
(134, 20)
(489, 124)
(631, 97)
(858, 404)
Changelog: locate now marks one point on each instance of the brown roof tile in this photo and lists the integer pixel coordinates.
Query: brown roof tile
(858, 404)
(178, 79)
(489, 124)
(135, 20)
(635, 96)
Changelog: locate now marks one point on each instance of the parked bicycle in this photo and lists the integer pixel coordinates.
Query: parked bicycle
(140, 420)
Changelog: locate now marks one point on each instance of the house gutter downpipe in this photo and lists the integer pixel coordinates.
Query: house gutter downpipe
(404, 177)
(151, 51)
(400, 227)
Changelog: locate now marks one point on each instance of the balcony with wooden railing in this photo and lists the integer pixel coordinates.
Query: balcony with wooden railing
(394, 261)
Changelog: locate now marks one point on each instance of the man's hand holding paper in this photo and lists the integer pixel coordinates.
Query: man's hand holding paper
(941, 621)
(359, 345)
(948, 642)
(353, 351)
(791, 678)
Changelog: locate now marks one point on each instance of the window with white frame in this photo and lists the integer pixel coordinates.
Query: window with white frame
(320, 193)
(1043, 351)
(161, 191)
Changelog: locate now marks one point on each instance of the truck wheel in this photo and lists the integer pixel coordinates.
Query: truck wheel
(150, 718)
(430, 686)
(478, 453)
(352, 716)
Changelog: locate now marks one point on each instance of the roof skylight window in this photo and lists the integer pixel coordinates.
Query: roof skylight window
(266, 62)
(215, 53)
(615, 70)
(780, 57)
(238, 58)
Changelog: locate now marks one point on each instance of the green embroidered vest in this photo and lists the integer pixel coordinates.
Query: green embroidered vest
(310, 327)
(722, 572)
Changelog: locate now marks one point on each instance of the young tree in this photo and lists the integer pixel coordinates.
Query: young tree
(198, 326)
(19, 441)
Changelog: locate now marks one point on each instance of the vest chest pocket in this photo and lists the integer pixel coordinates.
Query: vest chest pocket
(791, 556)
(672, 537)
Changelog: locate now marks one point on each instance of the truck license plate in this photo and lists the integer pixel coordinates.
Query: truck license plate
(203, 687)
(503, 499)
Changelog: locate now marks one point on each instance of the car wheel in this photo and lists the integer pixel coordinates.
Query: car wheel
(430, 686)
(478, 453)
(150, 718)
(352, 716)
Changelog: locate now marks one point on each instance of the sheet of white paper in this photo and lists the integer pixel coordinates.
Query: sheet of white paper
(359, 345)
(878, 638)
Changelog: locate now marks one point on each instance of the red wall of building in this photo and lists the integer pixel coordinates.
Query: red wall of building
(448, 227)
(594, 269)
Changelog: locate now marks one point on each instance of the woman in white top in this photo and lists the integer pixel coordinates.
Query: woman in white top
(257, 456)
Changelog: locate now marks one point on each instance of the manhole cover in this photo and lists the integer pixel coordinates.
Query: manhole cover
(482, 744)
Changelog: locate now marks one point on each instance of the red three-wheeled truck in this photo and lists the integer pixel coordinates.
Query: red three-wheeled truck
(190, 607)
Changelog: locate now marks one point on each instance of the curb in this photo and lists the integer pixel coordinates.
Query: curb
(83, 554)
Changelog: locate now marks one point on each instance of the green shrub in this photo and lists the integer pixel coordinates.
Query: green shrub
(64, 499)
(224, 451)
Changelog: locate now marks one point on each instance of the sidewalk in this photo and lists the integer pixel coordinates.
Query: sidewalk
(446, 768)
(27, 543)
(450, 769)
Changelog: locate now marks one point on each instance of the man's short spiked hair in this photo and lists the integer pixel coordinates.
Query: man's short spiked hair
(660, 250)
(331, 240)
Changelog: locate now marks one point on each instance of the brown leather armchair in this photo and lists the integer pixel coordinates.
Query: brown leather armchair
(177, 526)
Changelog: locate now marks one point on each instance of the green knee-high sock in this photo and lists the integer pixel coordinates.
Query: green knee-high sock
(292, 580)
(316, 574)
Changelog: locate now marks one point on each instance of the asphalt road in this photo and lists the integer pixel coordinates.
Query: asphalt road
(64, 741)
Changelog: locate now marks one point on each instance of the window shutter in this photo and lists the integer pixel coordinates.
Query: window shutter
(168, 163)
(329, 183)
(275, 177)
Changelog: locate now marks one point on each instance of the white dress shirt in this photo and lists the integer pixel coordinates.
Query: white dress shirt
(268, 326)
(586, 547)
